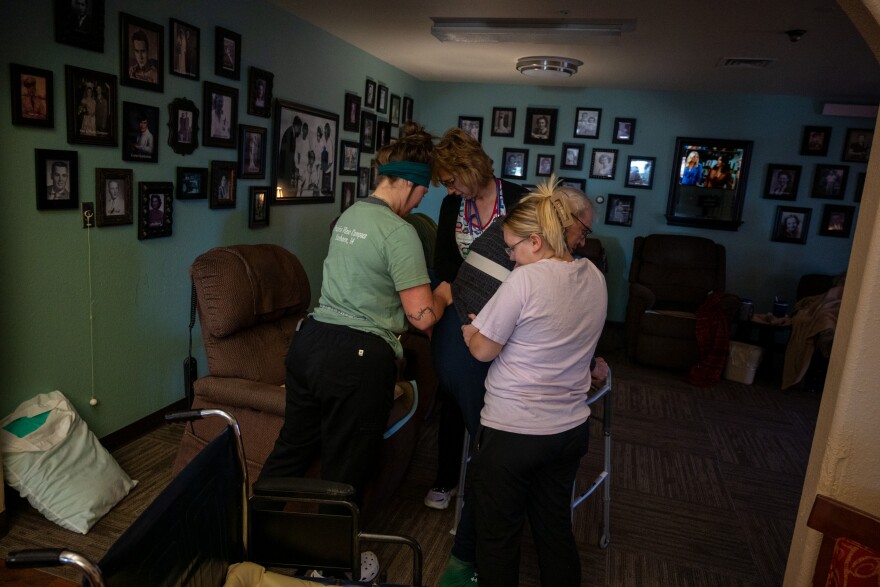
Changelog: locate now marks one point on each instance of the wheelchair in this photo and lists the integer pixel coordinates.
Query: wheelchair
(203, 524)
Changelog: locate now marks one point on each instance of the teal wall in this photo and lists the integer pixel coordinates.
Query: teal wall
(140, 289)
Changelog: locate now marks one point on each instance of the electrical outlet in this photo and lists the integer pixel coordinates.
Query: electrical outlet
(88, 214)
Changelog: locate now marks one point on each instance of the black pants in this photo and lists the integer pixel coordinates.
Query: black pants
(340, 387)
(515, 475)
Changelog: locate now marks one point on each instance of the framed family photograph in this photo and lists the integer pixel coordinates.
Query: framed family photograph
(837, 220)
(222, 104)
(260, 85)
(349, 157)
(227, 53)
(363, 187)
(503, 121)
(304, 170)
(192, 183)
(640, 172)
(223, 184)
(183, 126)
(370, 94)
(572, 156)
(624, 131)
(829, 181)
(514, 163)
(586, 123)
(348, 195)
(603, 163)
(155, 209)
(113, 189)
(252, 151)
(382, 99)
(33, 98)
(782, 181)
(619, 211)
(408, 108)
(574, 182)
(258, 207)
(57, 174)
(368, 132)
(142, 53)
(708, 182)
(814, 141)
(860, 186)
(183, 49)
(472, 125)
(140, 125)
(80, 23)
(540, 126)
(791, 224)
(383, 134)
(91, 107)
(857, 146)
(352, 109)
(394, 110)
(544, 166)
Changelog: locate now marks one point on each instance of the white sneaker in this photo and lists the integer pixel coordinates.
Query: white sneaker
(438, 498)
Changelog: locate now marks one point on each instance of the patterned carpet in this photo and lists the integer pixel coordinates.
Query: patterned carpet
(705, 488)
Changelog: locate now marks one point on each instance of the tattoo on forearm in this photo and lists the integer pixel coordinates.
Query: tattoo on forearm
(421, 313)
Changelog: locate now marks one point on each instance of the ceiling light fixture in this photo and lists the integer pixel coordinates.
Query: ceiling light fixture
(548, 67)
(523, 30)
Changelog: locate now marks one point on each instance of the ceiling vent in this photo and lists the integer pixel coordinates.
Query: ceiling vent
(746, 63)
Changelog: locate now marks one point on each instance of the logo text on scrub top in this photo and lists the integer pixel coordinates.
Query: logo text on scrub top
(347, 236)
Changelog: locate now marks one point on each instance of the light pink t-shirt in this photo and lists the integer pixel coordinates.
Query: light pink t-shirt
(548, 315)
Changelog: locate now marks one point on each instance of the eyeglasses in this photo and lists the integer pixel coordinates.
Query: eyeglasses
(447, 183)
(509, 250)
(587, 231)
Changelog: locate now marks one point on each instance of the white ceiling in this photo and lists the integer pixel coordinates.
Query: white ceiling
(677, 44)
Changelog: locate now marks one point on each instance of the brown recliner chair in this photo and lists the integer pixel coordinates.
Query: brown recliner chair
(250, 299)
(670, 277)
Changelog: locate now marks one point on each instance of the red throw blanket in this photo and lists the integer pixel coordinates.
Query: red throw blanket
(713, 340)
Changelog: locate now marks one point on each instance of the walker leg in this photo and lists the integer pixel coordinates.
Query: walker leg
(462, 473)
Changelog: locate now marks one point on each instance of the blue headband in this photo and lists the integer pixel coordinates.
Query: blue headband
(418, 173)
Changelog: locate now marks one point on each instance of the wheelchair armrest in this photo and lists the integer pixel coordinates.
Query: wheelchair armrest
(301, 487)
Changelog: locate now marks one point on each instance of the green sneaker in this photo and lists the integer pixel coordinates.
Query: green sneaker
(458, 573)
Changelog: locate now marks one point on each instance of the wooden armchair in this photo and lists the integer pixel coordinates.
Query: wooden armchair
(850, 550)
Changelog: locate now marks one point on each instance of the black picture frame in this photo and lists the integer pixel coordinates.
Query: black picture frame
(220, 105)
(814, 141)
(829, 181)
(224, 184)
(374, 174)
(260, 88)
(352, 109)
(537, 134)
(406, 115)
(368, 132)
(253, 145)
(183, 126)
(57, 179)
(349, 189)
(153, 221)
(572, 156)
(394, 111)
(603, 163)
(704, 196)
(293, 181)
(503, 121)
(782, 181)
(33, 96)
(192, 183)
(383, 134)
(514, 163)
(624, 131)
(80, 29)
(586, 123)
(227, 53)
(140, 131)
(791, 225)
(91, 120)
(837, 220)
(382, 99)
(574, 182)
(349, 157)
(544, 165)
(640, 172)
(473, 125)
(620, 210)
(860, 186)
(259, 198)
(142, 53)
(184, 49)
(113, 196)
(370, 94)
(857, 145)
(363, 183)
